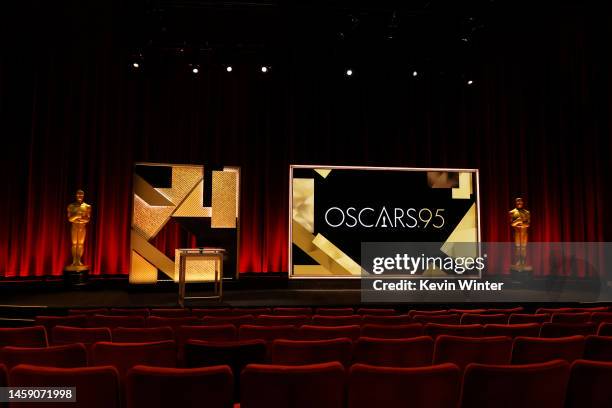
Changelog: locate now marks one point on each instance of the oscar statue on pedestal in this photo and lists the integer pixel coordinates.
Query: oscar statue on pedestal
(79, 215)
(520, 220)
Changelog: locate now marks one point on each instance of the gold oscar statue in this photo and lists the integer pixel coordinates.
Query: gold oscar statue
(520, 219)
(79, 215)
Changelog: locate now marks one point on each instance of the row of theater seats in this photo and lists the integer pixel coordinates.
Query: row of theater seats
(553, 384)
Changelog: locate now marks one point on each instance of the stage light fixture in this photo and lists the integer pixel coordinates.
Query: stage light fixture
(470, 82)
(195, 70)
(349, 72)
(264, 69)
(229, 68)
(415, 73)
(135, 65)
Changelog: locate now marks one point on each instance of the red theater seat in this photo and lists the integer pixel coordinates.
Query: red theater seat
(468, 330)
(88, 312)
(158, 387)
(520, 318)
(386, 331)
(295, 352)
(589, 385)
(334, 311)
(235, 354)
(376, 311)
(468, 311)
(508, 310)
(322, 320)
(598, 348)
(512, 330)
(35, 336)
(142, 334)
(171, 312)
(412, 352)
(174, 322)
(223, 332)
(308, 332)
(307, 386)
(213, 311)
(255, 311)
(51, 321)
(281, 320)
(592, 309)
(601, 317)
(85, 335)
(413, 312)
(292, 311)
(124, 356)
(468, 318)
(508, 386)
(550, 310)
(439, 319)
(96, 387)
(115, 321)
(418, 387)
(381, 319)
(529, 350)
(235, 320)
(267, 333)
(570, 317)
(143, 312)
(69, 355)
(605, 329)
(567, 329)
(465, 350)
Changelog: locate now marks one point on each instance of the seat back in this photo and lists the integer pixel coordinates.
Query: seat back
(35, 336)
(142, 334)
(508, 310)
(573, 317)
(142, 312)
(306, 386)
(267, 333)
(384, 319)
(88, 312)
(413, 312)
(96, 387)
(308, 332)
(115, 321)
(469, 330)
(601, 317)
(465, 350)
(410, 352)
(512, 330)
(161, 387)
(51, 321)
(124, 356)
(418, 387)
(281, 320)
(530, 350)
(325, 320)
(598, 348)
(470, 318)
(437, 318)
(174, 322)
(387, 331)
(605, 329)
(334, 311)
(171, 312)
(519, 318)
(376, 311)
(589, 385)
(236, 320)
(292, 311)
(540, 385)
(85, 335)
(69, 355)
(567, 329)
(296, 352)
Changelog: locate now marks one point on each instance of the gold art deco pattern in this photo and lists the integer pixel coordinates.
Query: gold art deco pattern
(153, 208)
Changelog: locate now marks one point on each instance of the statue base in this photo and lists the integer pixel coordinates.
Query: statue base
(521, 273)
(76, 275)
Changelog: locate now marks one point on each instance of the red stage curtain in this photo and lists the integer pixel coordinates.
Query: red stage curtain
(536, 123)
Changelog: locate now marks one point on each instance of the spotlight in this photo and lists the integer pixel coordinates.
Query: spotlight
(349, 72)
(136, 65)
(195, 68)
(415, 74)
(264, 69)
(229, 68)
(470, 82)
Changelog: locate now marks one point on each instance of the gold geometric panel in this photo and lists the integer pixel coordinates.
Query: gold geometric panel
(237, 171)
(149, 194)
(184, 179)
(335, 253)
(303, 202)
(223, 200)
(193, 204)
(153, 255)
(465, 232)
(464, 191)
(142, 271)
(148, 220)
(323, 172)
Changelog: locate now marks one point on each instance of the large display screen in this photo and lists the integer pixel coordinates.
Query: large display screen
(335, 209)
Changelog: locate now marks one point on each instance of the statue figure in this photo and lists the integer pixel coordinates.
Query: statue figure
(79, 214)
(519, 221)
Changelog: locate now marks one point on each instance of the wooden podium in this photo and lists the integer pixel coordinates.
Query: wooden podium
(204, 258)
